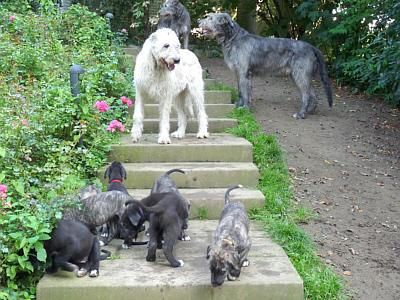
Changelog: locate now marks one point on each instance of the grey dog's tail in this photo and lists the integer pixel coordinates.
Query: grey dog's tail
(232, 187)
(174, 170)
(324, 75)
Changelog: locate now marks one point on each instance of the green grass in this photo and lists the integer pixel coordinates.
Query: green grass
(281, 214)
(202, 213)
(223, 87)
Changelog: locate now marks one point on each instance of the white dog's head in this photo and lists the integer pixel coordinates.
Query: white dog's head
(165, 47)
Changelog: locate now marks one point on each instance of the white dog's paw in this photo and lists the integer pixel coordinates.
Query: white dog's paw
(181, 262)
(202, 134)
(136, 134)
(80, 272)
(164, 139)
(125, 246)
(94, 273)
(178, 134)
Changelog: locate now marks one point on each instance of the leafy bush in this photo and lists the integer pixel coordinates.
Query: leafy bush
(51, 143)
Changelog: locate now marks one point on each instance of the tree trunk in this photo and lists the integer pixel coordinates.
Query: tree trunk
(246, 15)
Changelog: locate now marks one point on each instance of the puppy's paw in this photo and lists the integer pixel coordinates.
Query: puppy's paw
(94, 273)
(80, 272)
(178, 134)
(125, 246)
(101, 243)
(185, 238)
(181, 263)
(246, 263)
(231, 277)
(104, 234)
(203, 134)
(164, 139)
(150, 258)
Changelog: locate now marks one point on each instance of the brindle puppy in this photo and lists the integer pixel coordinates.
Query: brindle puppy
(231, 242)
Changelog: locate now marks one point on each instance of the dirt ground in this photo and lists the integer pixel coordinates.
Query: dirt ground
(345, 165)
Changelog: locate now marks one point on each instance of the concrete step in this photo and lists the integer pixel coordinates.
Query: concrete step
(210, 97)
(198, 174)
(214, 125)
(212, 110)
(219, 147)
(270, 275)
(208, 203)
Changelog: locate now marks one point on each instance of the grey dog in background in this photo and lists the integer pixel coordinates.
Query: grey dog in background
(175, 16)
(231, 242)
(248, 55)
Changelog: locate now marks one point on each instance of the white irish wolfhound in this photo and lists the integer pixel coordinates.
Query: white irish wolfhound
(170, 76)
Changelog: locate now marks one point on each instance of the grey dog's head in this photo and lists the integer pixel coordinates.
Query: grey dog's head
(169, 9)
(224, 261)
(217, 25)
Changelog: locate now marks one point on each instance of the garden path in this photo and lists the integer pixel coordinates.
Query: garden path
(345, 165)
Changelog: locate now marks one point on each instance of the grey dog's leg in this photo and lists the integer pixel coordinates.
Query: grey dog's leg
(185, 40)
(244, 86)
(170, 237)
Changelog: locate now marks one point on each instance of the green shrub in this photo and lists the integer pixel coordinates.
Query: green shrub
(51, 143)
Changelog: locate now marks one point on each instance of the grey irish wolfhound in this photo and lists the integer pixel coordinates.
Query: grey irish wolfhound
(175, 16)
(248, 54)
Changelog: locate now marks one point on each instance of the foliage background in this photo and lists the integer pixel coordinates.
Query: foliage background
(51, 143)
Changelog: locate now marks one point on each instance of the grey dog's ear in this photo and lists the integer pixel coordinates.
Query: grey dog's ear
(208, 251)
(228, 20)
(107, 172)
(134, 218)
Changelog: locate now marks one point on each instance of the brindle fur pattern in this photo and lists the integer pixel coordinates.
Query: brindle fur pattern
(230, 242)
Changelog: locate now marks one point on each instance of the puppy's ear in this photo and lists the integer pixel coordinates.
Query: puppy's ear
(135, 218)
(130, 202)
(123, 172)
(208, 251)
(107, 172)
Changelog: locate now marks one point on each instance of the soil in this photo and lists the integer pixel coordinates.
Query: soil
(345, 165)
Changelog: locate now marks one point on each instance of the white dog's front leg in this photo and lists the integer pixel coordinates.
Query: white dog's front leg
(138, 116)
(202, 118)
(165, 110)
(182, 121)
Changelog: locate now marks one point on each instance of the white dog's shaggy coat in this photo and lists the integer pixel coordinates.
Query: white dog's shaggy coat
(171, 76)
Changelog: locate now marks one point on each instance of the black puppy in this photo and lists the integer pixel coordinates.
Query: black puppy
(165, 184)
(74, 248)
(167, 218)
(116, 174)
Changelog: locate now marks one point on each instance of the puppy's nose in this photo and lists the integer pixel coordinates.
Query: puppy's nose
(176, 61)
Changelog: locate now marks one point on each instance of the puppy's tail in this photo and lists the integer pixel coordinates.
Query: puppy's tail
(232, 187)
(175, 170)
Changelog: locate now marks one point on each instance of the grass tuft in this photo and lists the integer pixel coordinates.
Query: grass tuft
(281, 214)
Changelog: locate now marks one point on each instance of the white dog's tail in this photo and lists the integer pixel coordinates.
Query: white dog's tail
(232, 187)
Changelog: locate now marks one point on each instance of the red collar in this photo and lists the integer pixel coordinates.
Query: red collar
(116, 180)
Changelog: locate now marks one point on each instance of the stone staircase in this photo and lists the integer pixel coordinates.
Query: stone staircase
(211, 165)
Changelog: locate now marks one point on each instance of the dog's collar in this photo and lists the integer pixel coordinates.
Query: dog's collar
(116, 180)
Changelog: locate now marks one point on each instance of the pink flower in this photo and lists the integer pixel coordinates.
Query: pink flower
(24, 122)
(101, 106)
(123, 30)
(3, 191)
(116, 125)
(126, 100)
(11, 18)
